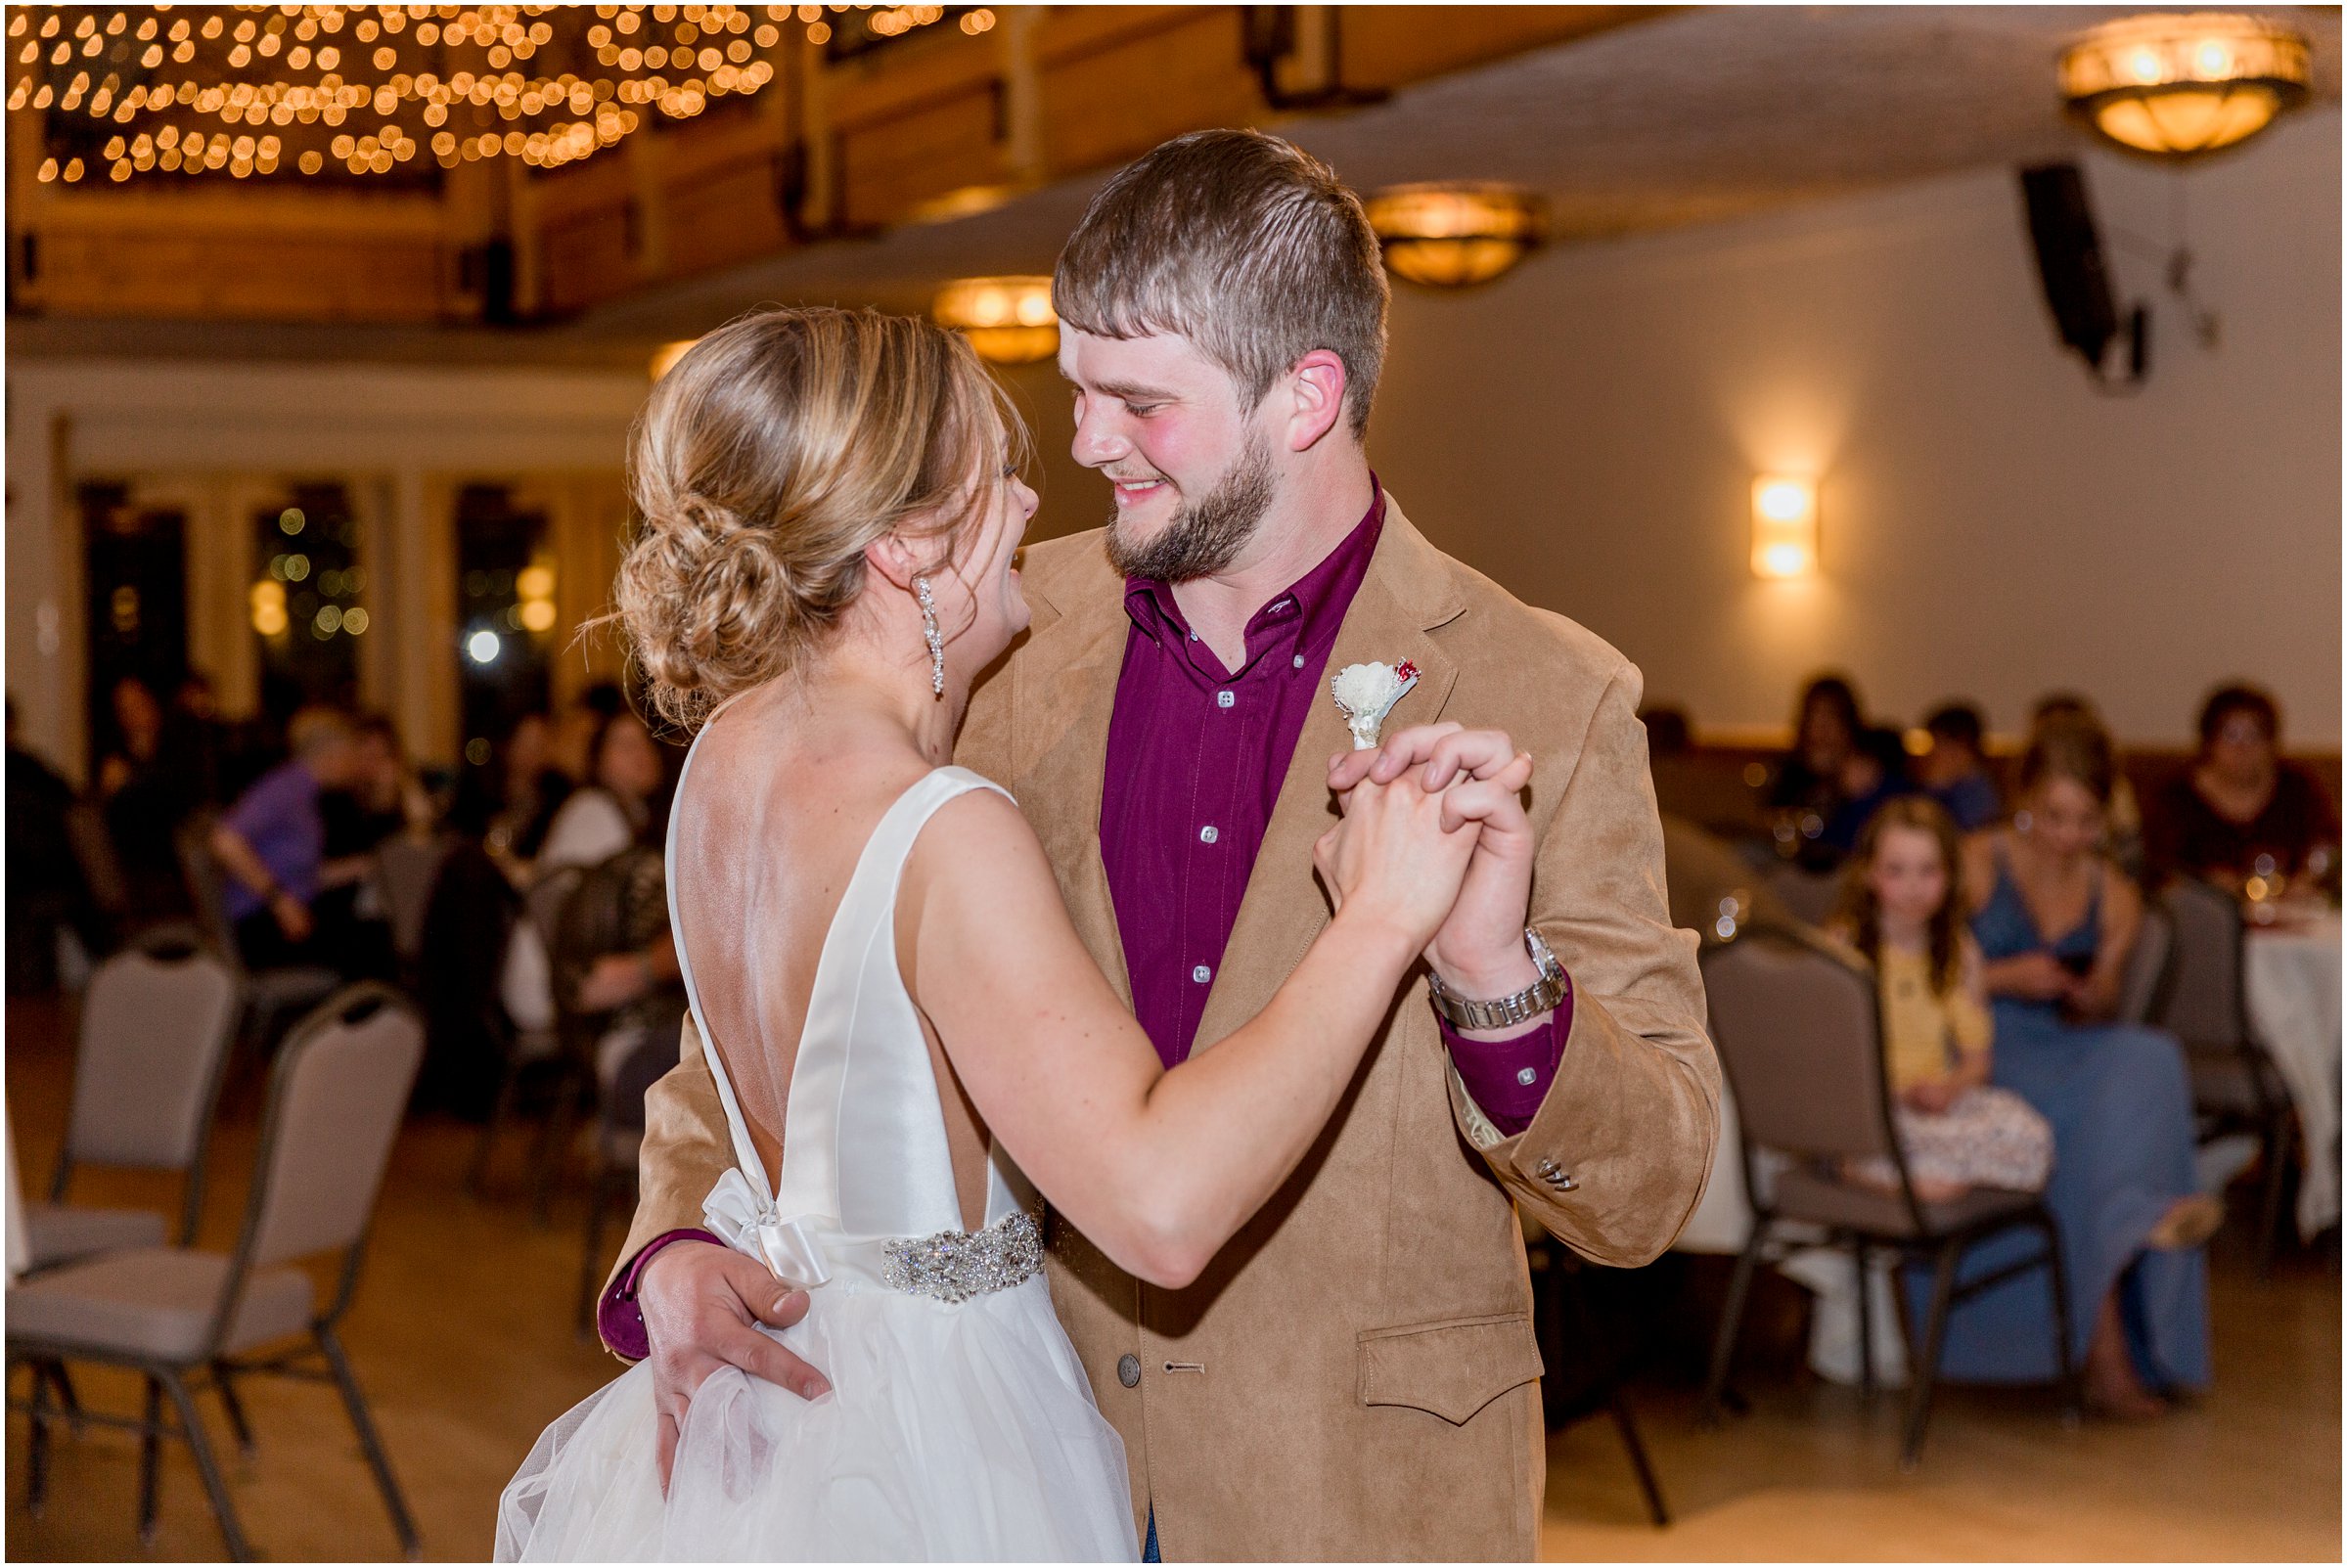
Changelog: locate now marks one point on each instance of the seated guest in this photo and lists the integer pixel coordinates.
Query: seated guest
(1833, 779)
(1956, 769)
(47, 887)
(532, 790)
(1901, 911)
(272, 843)
(612, 809)
(2123, 819)
(382, 800)
(2239, 803)
(2056, 919)
(146, 785)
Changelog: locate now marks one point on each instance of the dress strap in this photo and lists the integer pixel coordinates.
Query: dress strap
(864, 1147)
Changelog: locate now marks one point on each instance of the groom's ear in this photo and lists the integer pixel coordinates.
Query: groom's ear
(1315, 385)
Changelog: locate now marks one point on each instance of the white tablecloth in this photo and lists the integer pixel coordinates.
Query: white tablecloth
(2291, 980)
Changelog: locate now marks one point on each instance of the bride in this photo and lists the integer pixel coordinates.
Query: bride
(899, 1016)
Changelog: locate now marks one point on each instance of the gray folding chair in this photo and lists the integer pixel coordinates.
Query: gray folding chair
(336, 1095)
(2150, 967)
(533, 1045)
(2234, 1084)
(271, 994)
(156, 1025)
(405, 870)
(1799, 1034)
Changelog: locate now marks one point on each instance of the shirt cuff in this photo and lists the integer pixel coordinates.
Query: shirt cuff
(618, 1316)
(1508, 1079)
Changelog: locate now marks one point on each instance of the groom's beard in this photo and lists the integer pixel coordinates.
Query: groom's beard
(1205, 536)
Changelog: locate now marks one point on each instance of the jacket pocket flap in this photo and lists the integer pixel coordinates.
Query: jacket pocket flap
(1453, 1368)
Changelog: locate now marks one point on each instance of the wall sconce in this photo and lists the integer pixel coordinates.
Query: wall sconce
(1009, 321)
(1784, 526)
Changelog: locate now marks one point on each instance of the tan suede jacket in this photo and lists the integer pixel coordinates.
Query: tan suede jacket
(1355, 1376)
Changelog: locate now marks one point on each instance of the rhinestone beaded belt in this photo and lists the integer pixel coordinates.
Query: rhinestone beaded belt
(954, 1266)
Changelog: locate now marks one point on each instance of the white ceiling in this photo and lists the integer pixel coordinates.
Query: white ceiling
(1695, 116)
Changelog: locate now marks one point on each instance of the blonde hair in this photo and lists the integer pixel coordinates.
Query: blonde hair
(1860, 912)
(767, 460)
(1241, 242)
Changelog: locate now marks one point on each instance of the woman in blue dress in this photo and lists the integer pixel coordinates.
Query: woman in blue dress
(2055, 919)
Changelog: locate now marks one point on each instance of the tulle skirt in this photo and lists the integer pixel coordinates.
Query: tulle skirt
(962, 1433)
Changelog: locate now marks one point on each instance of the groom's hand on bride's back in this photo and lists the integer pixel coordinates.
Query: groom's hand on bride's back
(701, 1306)
(1480, 952)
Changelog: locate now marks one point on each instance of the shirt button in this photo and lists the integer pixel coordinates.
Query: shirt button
(1128, 1370)
(1224, 699)
(1208, 833)
(1201, 974)
(1528, 1076)
(1300, 661)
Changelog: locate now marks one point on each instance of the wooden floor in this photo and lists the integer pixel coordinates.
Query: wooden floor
(462, 1336)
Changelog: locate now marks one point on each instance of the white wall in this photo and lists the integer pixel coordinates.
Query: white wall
(1586, 431)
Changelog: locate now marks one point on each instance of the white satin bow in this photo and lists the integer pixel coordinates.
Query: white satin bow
(746, 1221)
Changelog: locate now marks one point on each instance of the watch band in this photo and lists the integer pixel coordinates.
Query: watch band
(1542, 995)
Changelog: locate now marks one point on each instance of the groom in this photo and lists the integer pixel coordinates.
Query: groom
(1354, 1377)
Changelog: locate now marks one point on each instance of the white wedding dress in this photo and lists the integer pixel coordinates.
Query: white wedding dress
(959, 1426)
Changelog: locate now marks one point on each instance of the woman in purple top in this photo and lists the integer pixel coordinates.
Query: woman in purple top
(272, 842)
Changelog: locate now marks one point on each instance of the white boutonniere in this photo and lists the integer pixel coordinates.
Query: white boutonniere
(1366, 693)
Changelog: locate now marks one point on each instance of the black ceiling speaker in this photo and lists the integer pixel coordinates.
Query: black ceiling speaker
(2069, 263)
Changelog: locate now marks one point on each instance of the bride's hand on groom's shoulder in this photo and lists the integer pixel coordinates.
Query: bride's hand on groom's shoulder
(1479, 950)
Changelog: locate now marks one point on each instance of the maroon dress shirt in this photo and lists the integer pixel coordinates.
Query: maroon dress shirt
(1195, 756)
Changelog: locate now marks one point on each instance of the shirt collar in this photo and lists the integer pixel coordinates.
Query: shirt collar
(1314, 603)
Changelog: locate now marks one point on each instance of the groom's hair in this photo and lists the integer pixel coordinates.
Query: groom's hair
(1241, 242)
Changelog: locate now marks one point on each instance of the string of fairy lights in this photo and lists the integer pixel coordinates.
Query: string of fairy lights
(364, 91)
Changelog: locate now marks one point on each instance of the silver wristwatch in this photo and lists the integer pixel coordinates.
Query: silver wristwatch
(1541, 996)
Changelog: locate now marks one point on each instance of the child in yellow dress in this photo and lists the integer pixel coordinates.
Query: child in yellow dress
(1900, 911)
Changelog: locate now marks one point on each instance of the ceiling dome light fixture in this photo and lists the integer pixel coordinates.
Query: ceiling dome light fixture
(1455, 235)
(2179, 85)
(1009, 321)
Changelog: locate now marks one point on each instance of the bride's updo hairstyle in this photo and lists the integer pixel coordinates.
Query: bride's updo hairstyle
(766, 461)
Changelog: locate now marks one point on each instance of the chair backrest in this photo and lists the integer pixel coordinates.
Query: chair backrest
(207, 891)
(2203, 1005)
(2142, 988)
(1810, 895)
(336, 1099)
(155, 1027)
(405, 870)
(543, 904)
(1799, 1035)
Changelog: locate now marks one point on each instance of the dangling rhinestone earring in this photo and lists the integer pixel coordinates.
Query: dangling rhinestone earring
(930, 635)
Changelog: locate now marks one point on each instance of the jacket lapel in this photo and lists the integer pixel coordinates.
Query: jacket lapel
(1408, 593)
(1065, 691)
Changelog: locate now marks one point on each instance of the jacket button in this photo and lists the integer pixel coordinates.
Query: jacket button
(1128, 1371)
(1546, 1170)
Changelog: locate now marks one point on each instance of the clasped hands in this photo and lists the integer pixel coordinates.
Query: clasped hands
(1479, 951)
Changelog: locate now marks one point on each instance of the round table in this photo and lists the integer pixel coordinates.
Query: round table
(2290, 983)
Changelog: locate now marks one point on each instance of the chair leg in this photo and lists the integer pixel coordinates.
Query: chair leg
(377, 1459)
(1627, 1424)
(2072, 1393)
(1732, 1314)
(501, 1109)
(67, 1400)
(215, 1485)
(36, 1466)
(1926, 1370)
(2269, 1209)
(1859, 1255)
(599, 1198)
(235, 1409)
(554, 1143)
(150, 1453)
